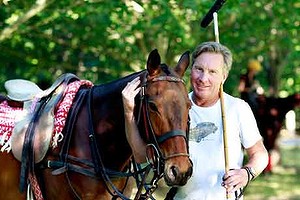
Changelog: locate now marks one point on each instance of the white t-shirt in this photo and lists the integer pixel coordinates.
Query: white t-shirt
(207, 149)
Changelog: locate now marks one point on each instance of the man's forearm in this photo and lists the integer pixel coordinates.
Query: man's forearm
(134, 139)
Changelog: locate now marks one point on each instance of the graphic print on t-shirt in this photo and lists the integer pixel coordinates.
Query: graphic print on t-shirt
(201, 131)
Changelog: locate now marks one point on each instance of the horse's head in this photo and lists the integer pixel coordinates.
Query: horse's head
(165, 112)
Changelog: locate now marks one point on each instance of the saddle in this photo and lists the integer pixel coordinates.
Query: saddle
(32, 135)
(21, 90)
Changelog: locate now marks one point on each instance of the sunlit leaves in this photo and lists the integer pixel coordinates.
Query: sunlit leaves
(102, 40)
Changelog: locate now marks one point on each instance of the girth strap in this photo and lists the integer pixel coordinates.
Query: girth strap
(171, 134)
(27, 159)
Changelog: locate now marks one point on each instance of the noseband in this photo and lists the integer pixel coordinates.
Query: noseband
(154, 140)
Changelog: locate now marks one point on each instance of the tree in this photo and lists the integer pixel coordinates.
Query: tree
(102, 40)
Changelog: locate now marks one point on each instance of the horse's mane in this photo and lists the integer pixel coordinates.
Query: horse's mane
(119, 84)
(2, 98)
(115, 86)
(165, 69)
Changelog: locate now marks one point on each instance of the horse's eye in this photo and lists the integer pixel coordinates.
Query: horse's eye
(152, 107)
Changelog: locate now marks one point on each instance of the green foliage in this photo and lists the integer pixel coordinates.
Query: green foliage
(103, 40)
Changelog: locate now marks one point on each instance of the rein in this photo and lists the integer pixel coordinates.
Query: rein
(99, 165)
(93, 168)
(98, 169)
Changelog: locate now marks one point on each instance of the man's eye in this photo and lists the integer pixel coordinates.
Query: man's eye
(200, 69)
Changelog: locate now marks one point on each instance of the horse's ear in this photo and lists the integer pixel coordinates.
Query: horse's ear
(183, 64)
(153, 63)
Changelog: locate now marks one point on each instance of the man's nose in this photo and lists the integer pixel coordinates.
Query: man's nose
(203, 76)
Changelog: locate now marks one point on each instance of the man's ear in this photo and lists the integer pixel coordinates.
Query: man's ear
(224, 78)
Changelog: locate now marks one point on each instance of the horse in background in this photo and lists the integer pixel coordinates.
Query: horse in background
(92, 159)
(270, 116)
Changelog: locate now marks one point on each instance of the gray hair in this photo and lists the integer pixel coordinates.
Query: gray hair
(214, 47)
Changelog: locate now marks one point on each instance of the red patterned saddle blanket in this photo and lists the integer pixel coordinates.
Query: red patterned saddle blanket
(10, 115)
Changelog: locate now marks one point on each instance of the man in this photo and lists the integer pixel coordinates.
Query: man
(249, 87)
(211, 63)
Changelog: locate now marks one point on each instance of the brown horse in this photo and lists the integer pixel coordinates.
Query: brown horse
(92, 160)
(270, 117)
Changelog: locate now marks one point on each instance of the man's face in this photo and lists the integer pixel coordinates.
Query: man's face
(206, 77)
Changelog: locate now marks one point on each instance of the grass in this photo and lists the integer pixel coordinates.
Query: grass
(283, 183)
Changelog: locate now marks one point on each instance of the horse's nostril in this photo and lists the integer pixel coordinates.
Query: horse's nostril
(174, 171)
(189, 172)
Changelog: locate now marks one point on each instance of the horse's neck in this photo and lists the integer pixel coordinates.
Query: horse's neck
(116, 86)
(109, 120)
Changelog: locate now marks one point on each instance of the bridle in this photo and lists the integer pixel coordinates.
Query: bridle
(155, 158)
(153, 139)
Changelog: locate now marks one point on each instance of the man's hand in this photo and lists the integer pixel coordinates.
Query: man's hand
(129, 93)
(235, 179)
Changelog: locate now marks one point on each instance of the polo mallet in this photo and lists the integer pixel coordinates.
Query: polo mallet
(216, 31)
(212, 14)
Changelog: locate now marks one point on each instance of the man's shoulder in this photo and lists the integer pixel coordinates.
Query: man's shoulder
(234, 101)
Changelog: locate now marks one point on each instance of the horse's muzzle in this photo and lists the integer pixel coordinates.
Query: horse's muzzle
(178, 172)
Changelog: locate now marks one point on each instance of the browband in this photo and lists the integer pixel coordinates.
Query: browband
(168, 78)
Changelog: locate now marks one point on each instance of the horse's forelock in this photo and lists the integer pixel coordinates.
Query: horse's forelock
(165, 69)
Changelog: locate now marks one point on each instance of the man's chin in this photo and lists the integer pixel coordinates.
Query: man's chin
(203, 93)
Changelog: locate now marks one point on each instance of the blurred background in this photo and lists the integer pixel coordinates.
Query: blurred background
(103, 40)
